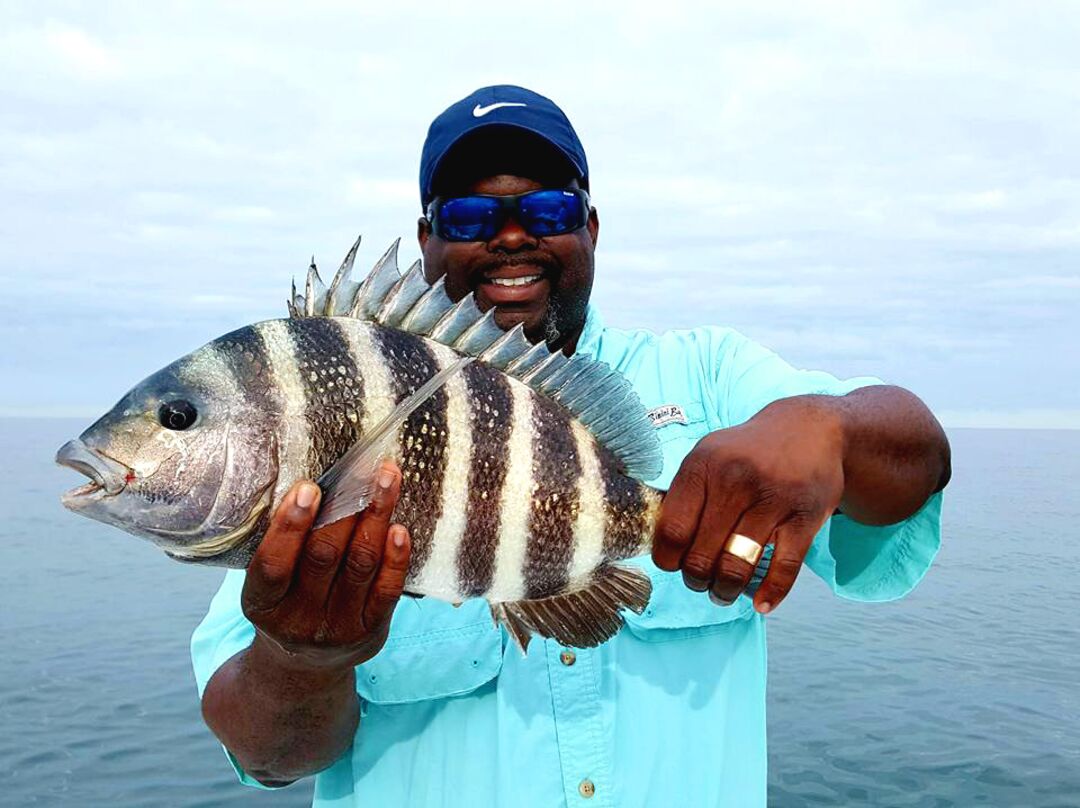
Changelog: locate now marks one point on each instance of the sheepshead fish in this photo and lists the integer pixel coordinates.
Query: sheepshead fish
(521, 467)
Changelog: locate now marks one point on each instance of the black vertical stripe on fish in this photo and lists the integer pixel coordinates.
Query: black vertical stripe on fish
(245, 354)
(626, 506)
(556, 469)
(411, 362)
(492, 406)
(333, 408)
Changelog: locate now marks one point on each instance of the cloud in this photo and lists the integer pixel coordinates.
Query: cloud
(83, 55)
(890, 189)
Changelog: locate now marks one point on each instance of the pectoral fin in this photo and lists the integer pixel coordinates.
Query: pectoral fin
(349, 484)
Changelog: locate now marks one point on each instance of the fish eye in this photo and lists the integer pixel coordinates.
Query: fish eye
(177, 414)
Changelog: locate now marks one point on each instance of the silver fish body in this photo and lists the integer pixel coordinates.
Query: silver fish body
(507, 491)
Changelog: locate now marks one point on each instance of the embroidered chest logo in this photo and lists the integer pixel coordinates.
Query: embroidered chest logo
(666, 414)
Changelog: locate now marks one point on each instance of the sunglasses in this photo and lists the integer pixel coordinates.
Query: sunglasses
(548, 212)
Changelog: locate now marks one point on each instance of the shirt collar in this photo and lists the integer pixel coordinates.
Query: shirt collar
(589, 341)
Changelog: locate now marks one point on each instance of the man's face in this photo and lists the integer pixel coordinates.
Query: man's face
(559, 269)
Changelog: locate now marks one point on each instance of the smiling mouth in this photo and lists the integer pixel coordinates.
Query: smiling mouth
(525, 280)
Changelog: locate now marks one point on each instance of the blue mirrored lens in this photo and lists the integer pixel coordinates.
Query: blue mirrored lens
(549, 213)
(469, 218)
(540, 213)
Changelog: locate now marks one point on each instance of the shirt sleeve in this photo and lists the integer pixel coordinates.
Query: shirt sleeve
(859, 562)
(223, 633)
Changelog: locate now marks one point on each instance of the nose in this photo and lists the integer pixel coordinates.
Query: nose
(512, 238)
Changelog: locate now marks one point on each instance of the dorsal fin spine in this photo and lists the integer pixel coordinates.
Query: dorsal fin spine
(339, 286)
(402, 297)
(527, 361)
(432, 305)
(503, 350)
(536, 376)
(311, 289)
(478, 337)
(453, 324)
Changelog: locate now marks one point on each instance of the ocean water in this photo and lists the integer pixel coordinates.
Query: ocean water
(965, 693)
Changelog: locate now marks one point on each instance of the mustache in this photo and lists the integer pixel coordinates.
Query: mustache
(551, 265)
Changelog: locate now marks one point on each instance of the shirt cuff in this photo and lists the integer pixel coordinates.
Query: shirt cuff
(877, 563)
(246, 778)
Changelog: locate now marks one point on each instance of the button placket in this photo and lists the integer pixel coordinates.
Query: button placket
(583, 749)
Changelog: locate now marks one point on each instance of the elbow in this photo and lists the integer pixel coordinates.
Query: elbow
(942, 452)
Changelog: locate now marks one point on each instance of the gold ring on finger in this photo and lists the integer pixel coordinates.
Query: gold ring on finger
(744, 547)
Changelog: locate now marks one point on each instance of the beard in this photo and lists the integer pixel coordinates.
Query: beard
(564, 316)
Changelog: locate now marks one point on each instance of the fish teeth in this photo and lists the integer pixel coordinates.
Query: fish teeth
(525, 281)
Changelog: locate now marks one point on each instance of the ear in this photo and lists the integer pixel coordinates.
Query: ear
(593, 226)
(423, 231)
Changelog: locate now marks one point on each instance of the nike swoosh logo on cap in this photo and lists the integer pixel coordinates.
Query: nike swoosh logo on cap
(480, 112)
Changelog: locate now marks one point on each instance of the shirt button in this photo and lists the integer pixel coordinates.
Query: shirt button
(568, 658)
(586, 788)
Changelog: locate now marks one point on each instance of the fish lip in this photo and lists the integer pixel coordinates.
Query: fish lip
(107, 475)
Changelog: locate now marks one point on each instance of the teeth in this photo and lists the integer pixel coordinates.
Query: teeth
(516, 281)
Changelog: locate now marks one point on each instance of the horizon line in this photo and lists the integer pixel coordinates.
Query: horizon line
(1023, 419)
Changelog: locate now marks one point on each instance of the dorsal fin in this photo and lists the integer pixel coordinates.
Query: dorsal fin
(599, 397)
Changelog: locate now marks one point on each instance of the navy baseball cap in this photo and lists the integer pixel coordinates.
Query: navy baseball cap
(501, 105)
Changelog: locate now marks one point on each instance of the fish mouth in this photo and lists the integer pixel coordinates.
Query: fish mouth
(108, 476)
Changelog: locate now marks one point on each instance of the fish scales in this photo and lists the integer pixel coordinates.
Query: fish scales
(591, 524)
(377, 390)
(438, 576)
(290, 415)
(246, 355)
(491, 400)
(556, 470)
(508, 582)
(243, 355)
(631, 510)
(333, 409)
(411, 361)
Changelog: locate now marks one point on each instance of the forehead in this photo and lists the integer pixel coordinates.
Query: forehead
(508, 185)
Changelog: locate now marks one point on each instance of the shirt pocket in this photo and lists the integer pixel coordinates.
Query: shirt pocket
(434, 651)
(677, 439)
(676, 612)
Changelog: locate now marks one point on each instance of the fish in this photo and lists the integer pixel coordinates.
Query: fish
(522, 468)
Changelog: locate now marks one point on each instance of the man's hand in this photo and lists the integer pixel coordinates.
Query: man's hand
(324, 599)
(321, 602)
(775, 479)
(876, 454)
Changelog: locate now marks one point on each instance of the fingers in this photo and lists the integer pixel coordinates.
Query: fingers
(732, 573)
(365, 551)
(270, 573)
(792, 539)
(320, 560)
(722, 510)
(389, 582)
(680, 514)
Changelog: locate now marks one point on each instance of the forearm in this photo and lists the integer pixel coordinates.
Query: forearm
(895, 453)
(281, 722)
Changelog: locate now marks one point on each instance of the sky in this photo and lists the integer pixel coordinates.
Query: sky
(889, 189)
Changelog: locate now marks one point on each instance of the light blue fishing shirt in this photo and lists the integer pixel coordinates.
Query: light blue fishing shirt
(671, 711)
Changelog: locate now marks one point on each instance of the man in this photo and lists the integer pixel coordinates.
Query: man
(841, 476)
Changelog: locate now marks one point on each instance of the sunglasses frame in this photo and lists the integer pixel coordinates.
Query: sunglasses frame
(508, 206)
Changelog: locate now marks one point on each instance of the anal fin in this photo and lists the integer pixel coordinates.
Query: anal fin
(583, 618)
